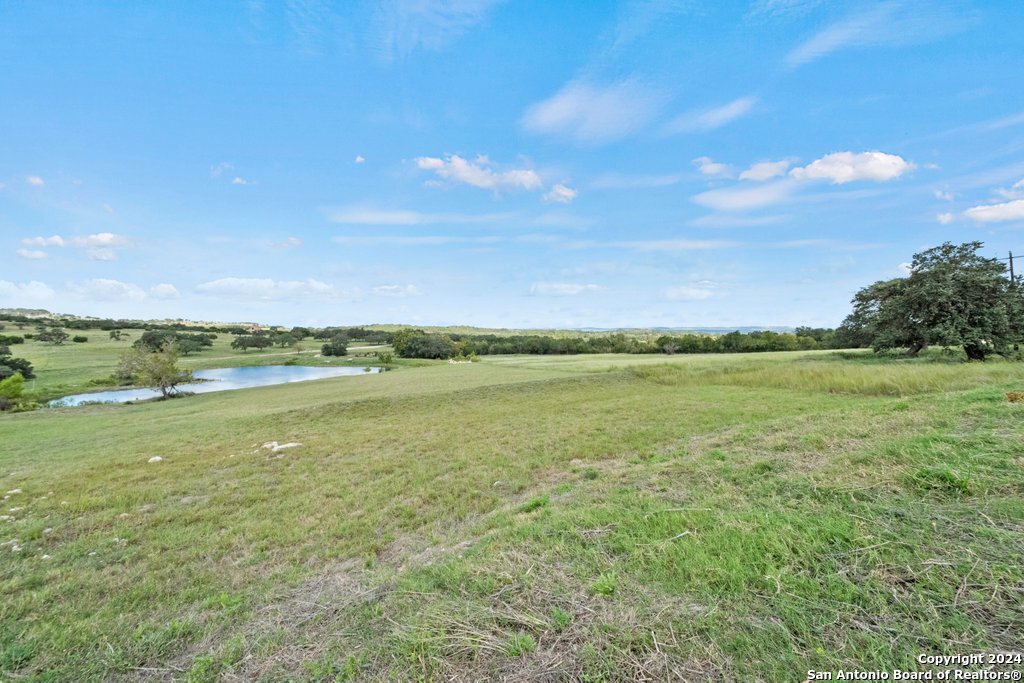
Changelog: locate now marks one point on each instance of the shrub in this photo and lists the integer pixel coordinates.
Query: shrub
(79, 339)
(335, 347)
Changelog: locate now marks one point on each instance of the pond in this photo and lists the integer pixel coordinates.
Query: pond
(220, 379)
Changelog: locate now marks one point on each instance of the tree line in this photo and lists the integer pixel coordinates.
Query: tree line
(416, 343)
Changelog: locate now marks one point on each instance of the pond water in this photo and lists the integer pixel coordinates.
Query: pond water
(220, 379)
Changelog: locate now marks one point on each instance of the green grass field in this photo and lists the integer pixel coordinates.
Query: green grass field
(76, 368)
(558, 518)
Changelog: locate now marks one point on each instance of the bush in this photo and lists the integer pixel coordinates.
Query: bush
(11, 340)
(336, 347)
(79, 339)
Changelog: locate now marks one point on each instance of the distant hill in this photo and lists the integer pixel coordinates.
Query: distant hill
(43, 314)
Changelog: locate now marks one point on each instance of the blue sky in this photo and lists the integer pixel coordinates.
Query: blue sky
(515, 164)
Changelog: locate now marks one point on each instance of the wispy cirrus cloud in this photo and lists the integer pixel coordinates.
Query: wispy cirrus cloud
(405, 27)
(410, 240)
(703, 120)
(32, 254)
(655, 245)
(563, 288)
(396, 290)
(362, 214)
(591, 113)
(893, 23)
(746, 197)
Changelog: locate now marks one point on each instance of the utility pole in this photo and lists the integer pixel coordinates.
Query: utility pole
(1011, 267)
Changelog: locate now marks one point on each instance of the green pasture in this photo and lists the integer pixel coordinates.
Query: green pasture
(599, 518)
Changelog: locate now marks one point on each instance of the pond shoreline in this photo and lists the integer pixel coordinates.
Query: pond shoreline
(217, 379)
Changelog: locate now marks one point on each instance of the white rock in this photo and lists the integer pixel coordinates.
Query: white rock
(13, 491)
(16, 509)
(45, 557)
(48, 530)
(155, 458)
(275, 446)
(5, 518)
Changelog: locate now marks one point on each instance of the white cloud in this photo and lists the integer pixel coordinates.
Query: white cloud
(994, 213)
(239, 180)
(689, 293)
(944, 196)
(889, 23)
(103, 289)
(396, 290)
(100, 239)
(164, 291)
(1014, 192)
(358, 214)
(98, 246)
(845, 167)
(22, 293)
(944, 218)
(32, 254)
(53, 241)
(266, 289)
(765, 170)
(905, 268)
(35, 181)
(217, 170)
(594, 114)
(562, 288)
(711, 168)
(404, 27)
(289, 243)
(479, 173)
(560, 194)
(359, 159)
(101, 254)
(746, 197)
(710, 119)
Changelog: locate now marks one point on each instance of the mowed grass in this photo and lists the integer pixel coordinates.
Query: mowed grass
(580, 518)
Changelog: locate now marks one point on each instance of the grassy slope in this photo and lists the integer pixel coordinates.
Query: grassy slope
(522, 516)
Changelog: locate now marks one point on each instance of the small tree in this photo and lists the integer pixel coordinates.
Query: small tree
(10, 365)
(79, 339)
(386, 358)
(157, 369)
(54, 335)
(335, 347)
(246, 342)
